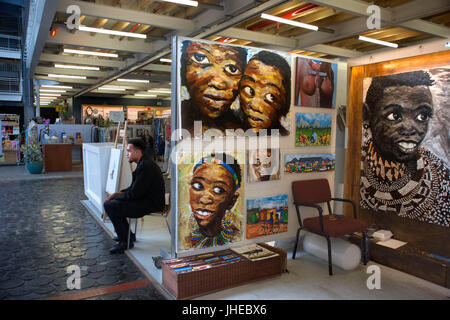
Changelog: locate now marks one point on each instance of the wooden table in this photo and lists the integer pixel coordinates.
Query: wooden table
(57, 157)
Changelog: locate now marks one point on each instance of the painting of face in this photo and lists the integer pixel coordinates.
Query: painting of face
(211, 193)
(212, 76)
(264, 165)
(210, 199)
(262, 94)
(399, 121)
(404, 152)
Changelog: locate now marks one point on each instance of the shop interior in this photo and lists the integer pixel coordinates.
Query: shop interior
(328, 134)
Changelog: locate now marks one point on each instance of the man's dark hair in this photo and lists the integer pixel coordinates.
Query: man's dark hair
(240, 52)
(410, 79)
(138, 143)
(275, 60)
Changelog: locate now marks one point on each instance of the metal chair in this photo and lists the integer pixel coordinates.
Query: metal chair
(311, 193)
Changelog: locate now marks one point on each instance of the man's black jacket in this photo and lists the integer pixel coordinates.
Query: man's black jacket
(147, 189)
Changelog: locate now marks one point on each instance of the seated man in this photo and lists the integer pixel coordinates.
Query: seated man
(146, 194)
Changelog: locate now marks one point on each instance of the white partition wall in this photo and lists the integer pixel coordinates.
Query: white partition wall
(95, 167)
(286, 144)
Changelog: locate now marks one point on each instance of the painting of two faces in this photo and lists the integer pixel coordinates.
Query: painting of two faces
(233, 87)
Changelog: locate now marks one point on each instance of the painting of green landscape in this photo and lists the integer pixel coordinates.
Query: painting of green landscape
(313, 129)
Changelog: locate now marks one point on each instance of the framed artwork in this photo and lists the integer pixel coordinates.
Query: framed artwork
(115, 162)
(232, 87)
(315, 83)
(404, 159)
(313, 129)
(263, 165)
(300, 163)
(267, 216)
(210, 199)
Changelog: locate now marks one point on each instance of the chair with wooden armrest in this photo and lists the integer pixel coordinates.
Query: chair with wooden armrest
(311, 193)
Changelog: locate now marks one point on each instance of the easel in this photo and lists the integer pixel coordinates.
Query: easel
(120, 133)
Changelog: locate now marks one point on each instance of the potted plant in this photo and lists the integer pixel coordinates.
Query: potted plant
(33, 157)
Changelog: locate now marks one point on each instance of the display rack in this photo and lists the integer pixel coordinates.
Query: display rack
(10, 130)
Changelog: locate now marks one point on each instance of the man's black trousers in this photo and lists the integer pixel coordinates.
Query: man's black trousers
(118, 211)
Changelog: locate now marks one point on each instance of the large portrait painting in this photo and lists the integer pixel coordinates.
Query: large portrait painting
(405, 143)
(233, 87)
(210, 199)
(315, 83)
(266, 216)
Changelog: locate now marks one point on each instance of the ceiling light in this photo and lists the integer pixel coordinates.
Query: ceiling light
(185, 2)
(113, 32)
(92, 53)
(145, 95)
(159, 91)
(133, 80)
(383, 43)
(50, 94)
(165, 60)
(111, 88)
(45, 90)
(65, 66)
(52, 86)
(291, 22)
(66, 76)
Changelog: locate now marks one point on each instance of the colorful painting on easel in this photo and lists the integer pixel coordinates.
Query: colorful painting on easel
(267, 216)
(313, 129)
(210, 199)
(301, 163)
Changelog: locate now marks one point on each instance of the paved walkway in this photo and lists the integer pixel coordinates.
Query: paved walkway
(44, 229)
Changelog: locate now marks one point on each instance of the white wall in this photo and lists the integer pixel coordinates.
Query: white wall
(287, 146)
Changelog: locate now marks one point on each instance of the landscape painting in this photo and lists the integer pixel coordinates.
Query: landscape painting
(300, 163)
(313, 129)
(267, 216)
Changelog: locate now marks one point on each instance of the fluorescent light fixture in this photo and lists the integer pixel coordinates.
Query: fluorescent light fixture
(50, 94)
(59, 87)
(56, 91)
(160, 91)
(185, 2)
(383, 43)
(133, 80)
(65, 66)
(165, 60)
(113, 32)
(92, 53)
(66, 76)
(145, 95)
(111, 88)
(291, 22)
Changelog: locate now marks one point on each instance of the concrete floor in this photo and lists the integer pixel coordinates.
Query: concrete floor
(307, 278)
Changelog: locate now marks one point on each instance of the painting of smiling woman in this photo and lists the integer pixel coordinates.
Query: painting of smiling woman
(404, 164)
(209, 74)
(210, 197)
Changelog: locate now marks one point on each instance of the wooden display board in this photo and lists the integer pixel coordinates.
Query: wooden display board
(423, 236)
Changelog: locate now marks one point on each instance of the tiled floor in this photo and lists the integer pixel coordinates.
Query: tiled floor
(44, 229)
